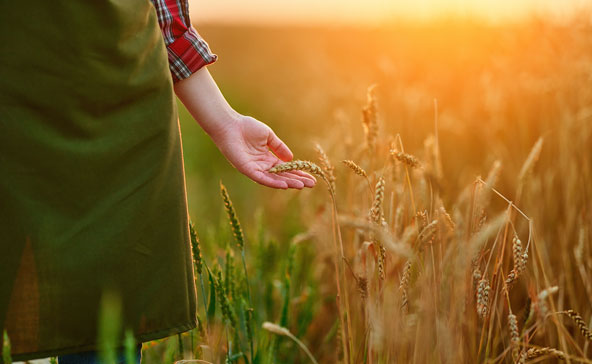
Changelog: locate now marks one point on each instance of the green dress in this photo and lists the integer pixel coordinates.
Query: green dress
(92, 186)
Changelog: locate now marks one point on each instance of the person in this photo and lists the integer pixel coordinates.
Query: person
(92, 187)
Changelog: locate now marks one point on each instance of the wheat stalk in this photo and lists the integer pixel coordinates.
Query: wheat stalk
(362, 286)
(476, 275)
(369, 118)
(541, 300)
(381, 262)
(520, 259)
(407, 159)
(447, 219)
(239, 237)
(232, 217)
(195, 249)
(282, 331)
(376, 211)
(300, 165)
(355, 168)
(326, 166)
(344, 317)
(579, 321)
(227, 310)
(197, 261)
(534, 353)
(404, 286)
(427, 233)
(514, 335)
(483, 289)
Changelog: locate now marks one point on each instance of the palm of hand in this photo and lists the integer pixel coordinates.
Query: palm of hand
(252, 148)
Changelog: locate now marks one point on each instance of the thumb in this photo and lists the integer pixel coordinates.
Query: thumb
(279, 148)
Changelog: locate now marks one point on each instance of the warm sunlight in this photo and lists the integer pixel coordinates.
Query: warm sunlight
(375, 11)
(295, 181)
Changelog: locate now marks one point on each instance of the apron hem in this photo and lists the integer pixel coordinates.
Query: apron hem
(91, 347)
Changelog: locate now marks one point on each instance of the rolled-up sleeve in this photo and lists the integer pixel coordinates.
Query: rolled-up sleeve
(187, 51)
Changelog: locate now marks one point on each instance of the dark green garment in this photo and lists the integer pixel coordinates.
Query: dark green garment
(92, 187)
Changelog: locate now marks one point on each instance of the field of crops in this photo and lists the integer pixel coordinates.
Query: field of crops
(468, 237)
(452, 218)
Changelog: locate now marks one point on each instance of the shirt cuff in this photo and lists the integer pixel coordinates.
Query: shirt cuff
(187, 54)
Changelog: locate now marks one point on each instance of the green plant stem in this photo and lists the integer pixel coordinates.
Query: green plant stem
(203, 296)
(301, 344)
(246, 276)
(340, 273)
(248, 295)
(181, 349)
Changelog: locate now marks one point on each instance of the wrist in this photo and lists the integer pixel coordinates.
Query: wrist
(225, 125)
(204, 101)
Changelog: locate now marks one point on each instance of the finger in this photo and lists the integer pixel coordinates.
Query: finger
(307, 180)
(270, 180)
(279, 148)
(294, 183)
(305, 175)
(291, 180)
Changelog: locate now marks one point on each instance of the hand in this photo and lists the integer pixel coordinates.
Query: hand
(252, 148)
(248, 144)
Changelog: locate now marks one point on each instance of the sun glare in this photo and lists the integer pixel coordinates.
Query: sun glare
(377, 11)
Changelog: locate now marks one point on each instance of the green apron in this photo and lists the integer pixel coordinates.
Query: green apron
(92, 186)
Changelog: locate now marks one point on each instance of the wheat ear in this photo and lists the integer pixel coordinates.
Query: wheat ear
(282, 331)
(299, 165)
(406, 159)
(579, 321)
(483, 297)
(533, 353)
(514, 335)
(326, 165)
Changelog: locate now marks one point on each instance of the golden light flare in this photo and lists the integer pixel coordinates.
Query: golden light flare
(377, 11)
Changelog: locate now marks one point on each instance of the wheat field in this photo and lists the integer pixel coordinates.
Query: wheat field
(452, 219)
(454, 224)
(462, 234)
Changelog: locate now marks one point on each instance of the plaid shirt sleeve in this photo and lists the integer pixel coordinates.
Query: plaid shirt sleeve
(187, 51)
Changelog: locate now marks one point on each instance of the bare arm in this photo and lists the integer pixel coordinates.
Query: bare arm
(248, 144)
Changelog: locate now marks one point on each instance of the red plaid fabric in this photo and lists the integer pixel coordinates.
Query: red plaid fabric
(187, 51)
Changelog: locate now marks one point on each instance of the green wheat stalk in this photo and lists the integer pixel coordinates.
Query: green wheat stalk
(198, 263)
(240, 242)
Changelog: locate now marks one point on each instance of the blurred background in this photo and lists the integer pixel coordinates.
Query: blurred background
(376, 12)
(503, 72)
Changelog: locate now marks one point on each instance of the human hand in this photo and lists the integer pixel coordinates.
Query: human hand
(252, 148)
(248, 144)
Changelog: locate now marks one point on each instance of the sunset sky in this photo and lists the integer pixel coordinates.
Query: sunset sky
(371, 11)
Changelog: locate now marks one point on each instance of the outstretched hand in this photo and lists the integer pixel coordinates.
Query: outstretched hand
(248, 144)
(253, 148)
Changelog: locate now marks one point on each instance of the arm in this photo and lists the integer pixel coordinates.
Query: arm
(246, 143)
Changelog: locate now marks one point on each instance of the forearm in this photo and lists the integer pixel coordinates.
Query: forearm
(248, 144)
(204, 101)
